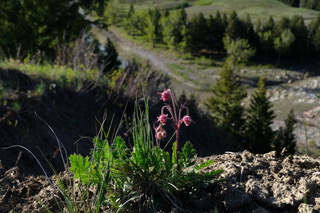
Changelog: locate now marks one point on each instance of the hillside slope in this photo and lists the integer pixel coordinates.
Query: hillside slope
(250, 183)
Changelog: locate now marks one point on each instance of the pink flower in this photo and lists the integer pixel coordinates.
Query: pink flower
(186, 120)
(165, 95)
(163, 119)
(161, 134)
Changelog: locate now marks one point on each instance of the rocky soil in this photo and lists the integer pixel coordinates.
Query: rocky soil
(249, 183)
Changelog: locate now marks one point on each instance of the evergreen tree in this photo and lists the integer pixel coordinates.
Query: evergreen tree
(269, 26)
(250, 34)
(258, 133)
(153, 26)
(314, 35)
(173, 26)
(266, 37)
(285, 137)
(130, 22)
(198, 34)
(300, 46)
(226, 106)
(283, 43)
(239, 51)
(234, 27)
(216, 30)
(108, 58)
(281, 25)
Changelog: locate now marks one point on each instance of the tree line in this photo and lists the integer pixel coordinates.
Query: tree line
(309, 4)
(200, 35)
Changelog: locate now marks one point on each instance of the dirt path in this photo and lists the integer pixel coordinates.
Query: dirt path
(158, 62)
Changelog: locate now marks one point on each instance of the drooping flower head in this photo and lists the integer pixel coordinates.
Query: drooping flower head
(186, 120)
(165, 95)
(161, 134)
(163, 119)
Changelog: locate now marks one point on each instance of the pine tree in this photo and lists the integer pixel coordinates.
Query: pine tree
(300, 46)
(283, 42)
(153, 27)
(226, 103)
(258, 133)
(216, 30)
(173, 26)
(233, 26)
(314, 34)
(285, 137)
(108, 59)
(130, 22)
(198, 32)
(239, 51)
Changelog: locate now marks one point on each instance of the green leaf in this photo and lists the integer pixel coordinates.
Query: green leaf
(204, 165)
(187, 155)
(174, 153)
(213, 173)
(80, 167)
(120, 148)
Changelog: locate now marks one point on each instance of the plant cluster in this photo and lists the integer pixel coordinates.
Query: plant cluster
(143, 177)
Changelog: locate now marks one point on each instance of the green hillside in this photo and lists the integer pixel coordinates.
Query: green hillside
(257, 9)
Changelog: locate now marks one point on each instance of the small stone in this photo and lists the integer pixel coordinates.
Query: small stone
(306, 208)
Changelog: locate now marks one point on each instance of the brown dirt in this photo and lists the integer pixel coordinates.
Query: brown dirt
(250, 183)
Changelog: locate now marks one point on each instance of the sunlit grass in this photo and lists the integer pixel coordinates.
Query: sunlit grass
(257, 9)
(51, 72)
(202, 2)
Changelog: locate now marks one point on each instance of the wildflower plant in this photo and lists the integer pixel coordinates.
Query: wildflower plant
(175, 115)
(143, 177)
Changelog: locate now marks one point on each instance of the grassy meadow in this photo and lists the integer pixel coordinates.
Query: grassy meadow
(257, 9)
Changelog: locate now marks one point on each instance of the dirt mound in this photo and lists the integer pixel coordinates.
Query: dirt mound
(264, 183)
(250, 183)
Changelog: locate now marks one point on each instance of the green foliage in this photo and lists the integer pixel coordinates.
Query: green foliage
(153, 27)
(310, 4)
(108, 58)
(173, 26)
(258, 133)
(144, 175)
(285, 138)
(226, 103)
(239, 51)
(216, 31)
(283, 42)
(62, 75)
(293, 3)
(32, 27)
(197, 32)
(40, 89)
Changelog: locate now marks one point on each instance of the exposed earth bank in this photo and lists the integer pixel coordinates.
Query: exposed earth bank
(249, 183)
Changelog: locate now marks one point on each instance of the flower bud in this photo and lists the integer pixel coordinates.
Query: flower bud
(186, 120)
(161, 134)
(165, 95)
(163, 119)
